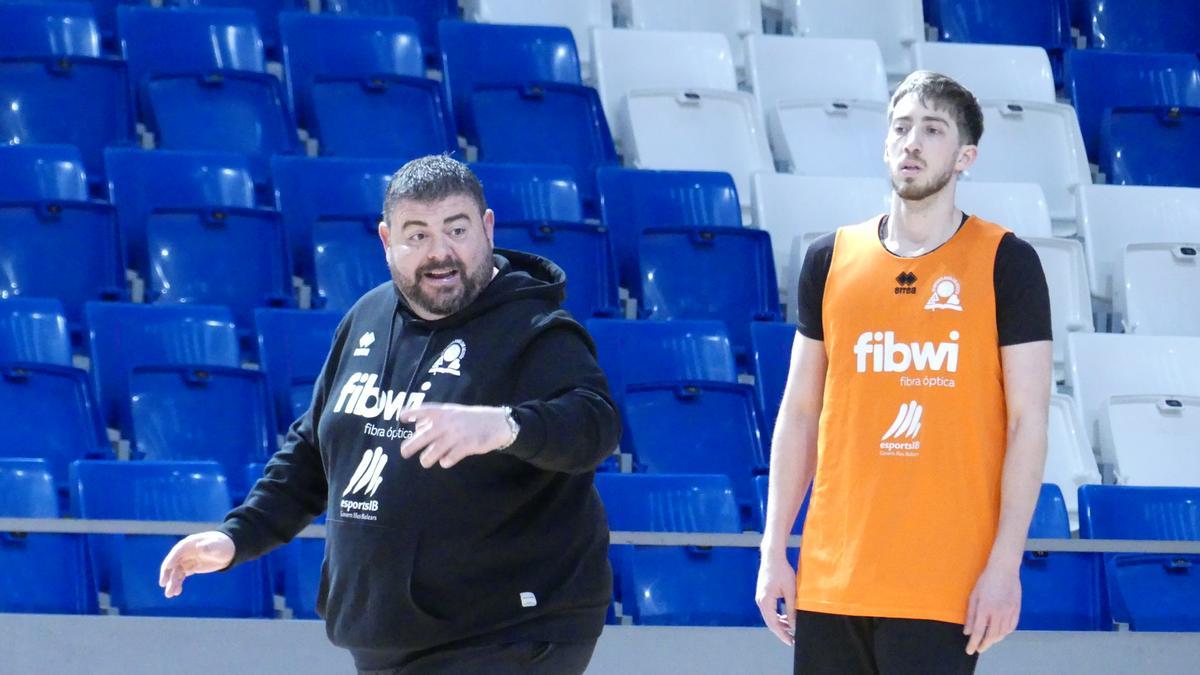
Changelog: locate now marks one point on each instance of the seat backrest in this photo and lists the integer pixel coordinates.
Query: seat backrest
(521, 192)
(1153, 439)
(292, 347)
(1012, 22)
(122, 336)
(1066, 278)
(761, 490)
(1050, 515)
(329, 45)
(669, 502)
(475, 54)
(632, 199)
(1148, 278)
(1132, 26)
(27, 489)
(771, 353)
(737, 19)
(1097, 79)
(1061, 590)
(347, 261)
(1070, 461)
(34, 330)
(1103, 365)
(992, 72)
(48, 28)
(829, 138)
(896, 26)
(427, 14)
(109, 489)
(584, 253)
(1128, 512)
(1150, 146)
(1020, 207)
(37, 172)
(581, 17)
(47, 411)
(1113, 216)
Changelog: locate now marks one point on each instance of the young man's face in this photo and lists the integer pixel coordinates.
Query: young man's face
(439, 253)
(923, 151)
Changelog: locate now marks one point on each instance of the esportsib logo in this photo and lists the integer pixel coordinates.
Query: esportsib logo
(366, 480)
(901, 438)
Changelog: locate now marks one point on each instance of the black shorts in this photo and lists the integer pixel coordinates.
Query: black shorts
(835, 644)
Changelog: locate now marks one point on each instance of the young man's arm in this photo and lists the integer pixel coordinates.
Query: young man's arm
(793, 465)
(995, 605)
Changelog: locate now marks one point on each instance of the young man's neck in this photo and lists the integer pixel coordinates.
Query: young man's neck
(917, 227)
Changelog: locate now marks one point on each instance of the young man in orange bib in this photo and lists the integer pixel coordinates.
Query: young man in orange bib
(916, 407)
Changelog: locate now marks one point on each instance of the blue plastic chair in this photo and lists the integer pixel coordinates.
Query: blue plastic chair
(39, 573)
(1141, 26)
(664, 585)
(358, 85)
(47, 411)
(524, 192)
(292, 347)
(583, 251)
(771, 354)
(1151, 146)
(211, 413)
(295, 567)
(307, 190)
(427, 14)
(696, 427)
(1149, 592)
(1098, 80)
(207, 87)
(267, 13)
(1060, 591)
(42, 172)
(48, 28)
(760, 508)
(634, 199)
(34, 330)
(122, 336)
(684, 276)
(638, 352)
(127, 565)
(1038, 23)
(475, 54)
(348, 260)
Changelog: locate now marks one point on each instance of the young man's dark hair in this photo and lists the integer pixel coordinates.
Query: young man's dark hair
(942, 93)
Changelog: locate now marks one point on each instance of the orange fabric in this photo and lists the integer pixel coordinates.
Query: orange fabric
(906, 498)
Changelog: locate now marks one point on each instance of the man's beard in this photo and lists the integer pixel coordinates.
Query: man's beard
(445, 303)
(915, 192)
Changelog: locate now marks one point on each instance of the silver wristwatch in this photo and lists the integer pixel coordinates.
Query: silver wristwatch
(513, 428)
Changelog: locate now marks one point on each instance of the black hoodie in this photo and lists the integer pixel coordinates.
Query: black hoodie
(504, 547)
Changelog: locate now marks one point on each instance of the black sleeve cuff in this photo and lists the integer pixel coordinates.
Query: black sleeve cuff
(532, 437)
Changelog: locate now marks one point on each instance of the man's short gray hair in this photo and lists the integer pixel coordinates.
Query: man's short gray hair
(430, 179)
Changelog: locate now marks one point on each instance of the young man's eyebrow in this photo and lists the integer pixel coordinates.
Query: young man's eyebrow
(926, 118)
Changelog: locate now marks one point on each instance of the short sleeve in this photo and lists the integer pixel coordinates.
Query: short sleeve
(1022, 297)
(810, 294)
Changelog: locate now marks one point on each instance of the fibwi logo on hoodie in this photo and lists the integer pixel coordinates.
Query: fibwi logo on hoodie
(360, 396)
(366, 480)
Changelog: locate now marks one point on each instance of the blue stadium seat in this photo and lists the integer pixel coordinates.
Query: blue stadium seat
(637, 352)
(122, 336)
(295, 567)
(583, 251)
(1151, 146)
(266, 12)
(1144, 26)
(760, 507)
(39, 573)
(666, 585)
(34, 330)
(427, 14)
(210, 413)
(633, 199)
(142, 181)
(1038, 23)
(42, 172)
(683, 276)
(696, 427)
(309, 190)
(771, 353)
(1149, 592)
(545, 123)
(47, 411)
(292, 347)
(358, 85)
(348, 258)
(1098, 80)
(127, 565)
(207, 87)
(50, 61)
(1060, 591)
(475, 54)
(521, 192)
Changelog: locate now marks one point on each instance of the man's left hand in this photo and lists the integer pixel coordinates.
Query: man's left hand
(994, 608)
(446, 433)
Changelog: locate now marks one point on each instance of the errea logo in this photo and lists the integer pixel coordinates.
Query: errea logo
(364, 344)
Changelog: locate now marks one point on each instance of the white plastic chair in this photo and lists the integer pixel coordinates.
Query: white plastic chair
(735, 18)
(1157, 289)
(1153, 440)
(1066, 278)
(991, 72)
(581, 16)
(896, 25)
(1020, 207)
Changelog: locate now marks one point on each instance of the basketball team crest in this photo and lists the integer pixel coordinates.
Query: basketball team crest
(946, 295)
(450, 362)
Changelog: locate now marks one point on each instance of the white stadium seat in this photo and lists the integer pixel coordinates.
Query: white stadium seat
(1113, 216)
(895, 24)
(782, 67)
(1027, 141)
(1020, 207)
(795, 210)
(991, 72)
(1153, 440)
(1101, 365)
(628, 60)
(581, 16)
(829, 138)
(1070, 304)
(1157, 289)
(695, 130)
(735, 18)
(1070, 461)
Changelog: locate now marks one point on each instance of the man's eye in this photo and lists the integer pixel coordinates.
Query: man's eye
(416, 236)
(934, 130)
(458, 231)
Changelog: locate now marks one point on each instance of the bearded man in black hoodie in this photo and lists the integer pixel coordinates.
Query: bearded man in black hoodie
(453, 436)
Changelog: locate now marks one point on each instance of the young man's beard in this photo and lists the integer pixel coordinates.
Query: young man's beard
(445, 304)
(915, 192)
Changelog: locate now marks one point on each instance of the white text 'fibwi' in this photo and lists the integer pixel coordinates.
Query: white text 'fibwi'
(883, 354)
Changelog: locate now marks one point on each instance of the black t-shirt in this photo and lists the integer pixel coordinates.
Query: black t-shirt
(1022, 299)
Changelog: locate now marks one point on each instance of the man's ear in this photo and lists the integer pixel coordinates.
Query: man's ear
(967, 155)
(489, 226)
(385, 237)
